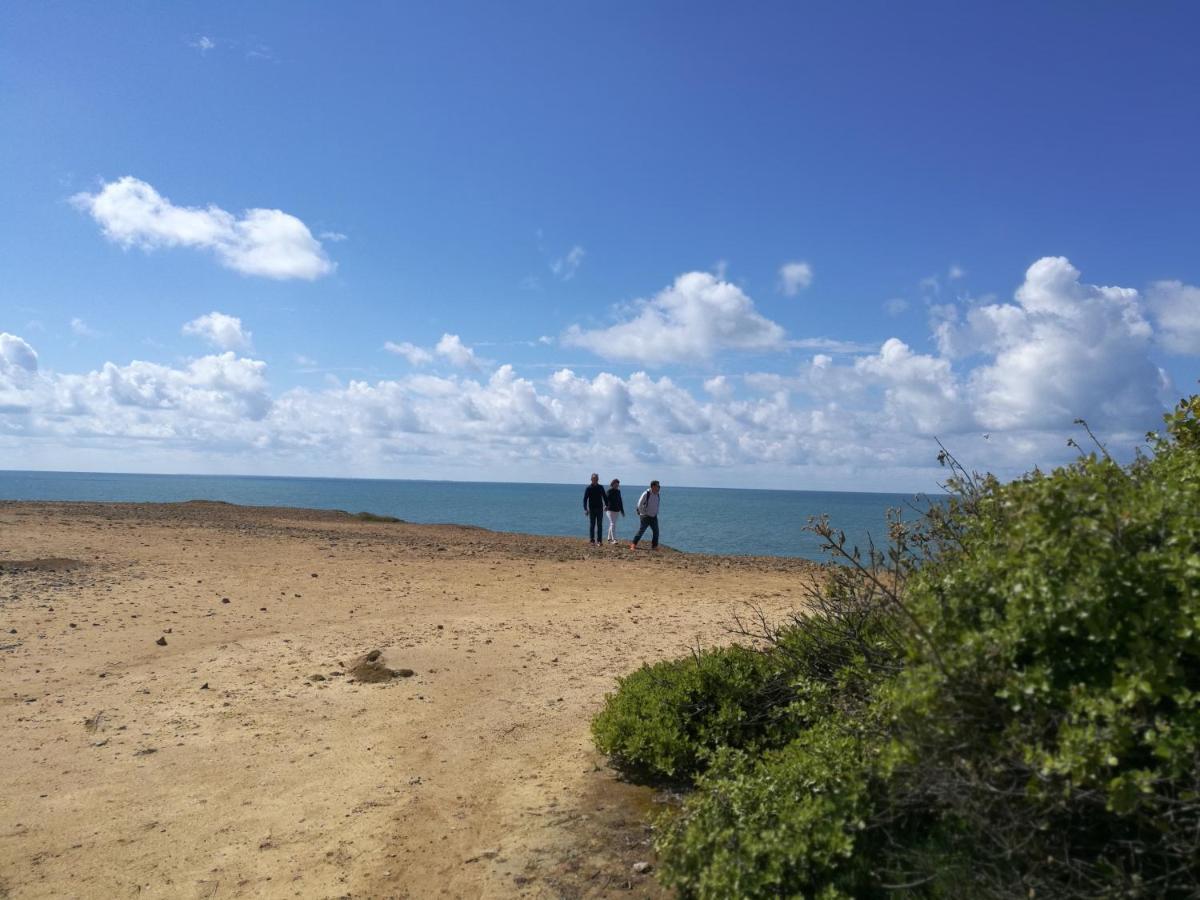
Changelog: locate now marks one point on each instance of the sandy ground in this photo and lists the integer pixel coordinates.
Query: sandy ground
(239, 759)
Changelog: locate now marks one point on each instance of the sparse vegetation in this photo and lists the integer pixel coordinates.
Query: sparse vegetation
(1003, 701)
(372, 517)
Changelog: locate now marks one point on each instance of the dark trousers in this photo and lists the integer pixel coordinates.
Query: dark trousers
(650, 522)
(595, 535)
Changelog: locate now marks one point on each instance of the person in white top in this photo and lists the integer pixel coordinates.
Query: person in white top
(647, 510)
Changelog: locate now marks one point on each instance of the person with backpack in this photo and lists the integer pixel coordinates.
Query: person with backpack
(616, 507)
(593, 508)
(647, 510)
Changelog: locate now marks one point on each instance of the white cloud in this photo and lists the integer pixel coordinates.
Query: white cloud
(265, 242)
(453, 350)
(689, 321)
(449, 348)
(334, 237)
(16, 356)
(1065, 349)
(895, 306)
(718, 386)
(954, 273)
(565, 267)
(1020, 371)
(415, 355)
(18, 377)
(794, 277)
(1176, 309)
(203, 43)
(80, 328)
(220, 330)
(921, 393)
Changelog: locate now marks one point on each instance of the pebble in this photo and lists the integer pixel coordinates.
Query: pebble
(162, 642)
(642, 868)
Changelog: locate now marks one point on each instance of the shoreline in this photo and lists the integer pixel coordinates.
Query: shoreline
(218, 764)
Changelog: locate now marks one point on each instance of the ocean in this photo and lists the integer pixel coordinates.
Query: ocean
(695, 520)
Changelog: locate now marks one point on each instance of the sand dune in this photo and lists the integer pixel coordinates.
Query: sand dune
(178, 715)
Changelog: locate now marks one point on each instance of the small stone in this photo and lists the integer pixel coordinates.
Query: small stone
(643, 868)
(224, 599)
(162, 642)
(204, 687)
(314, 574)
(316, 677)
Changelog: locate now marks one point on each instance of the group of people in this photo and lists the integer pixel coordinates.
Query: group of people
(597, 501)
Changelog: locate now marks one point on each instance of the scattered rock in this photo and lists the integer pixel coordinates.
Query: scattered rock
(204, 687)
(224, 599)
(316, 677)
(643, 868)
(162, 642)
(373, 668)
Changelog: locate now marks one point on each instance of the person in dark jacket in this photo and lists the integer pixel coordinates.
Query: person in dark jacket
(593, 508)
(616, 507)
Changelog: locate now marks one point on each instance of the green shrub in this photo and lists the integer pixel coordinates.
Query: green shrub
(665, 720)
(1006, 702)
(791, 822)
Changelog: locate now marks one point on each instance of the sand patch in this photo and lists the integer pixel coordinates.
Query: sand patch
(244, 759)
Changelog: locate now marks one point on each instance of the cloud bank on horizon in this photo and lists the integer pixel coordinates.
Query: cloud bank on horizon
(1019, 371)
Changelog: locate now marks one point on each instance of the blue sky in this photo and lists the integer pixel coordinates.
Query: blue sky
(788, 245)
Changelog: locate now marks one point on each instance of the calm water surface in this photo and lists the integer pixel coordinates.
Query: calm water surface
(698, 520)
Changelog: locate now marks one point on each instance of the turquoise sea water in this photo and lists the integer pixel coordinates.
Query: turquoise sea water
(698, 520)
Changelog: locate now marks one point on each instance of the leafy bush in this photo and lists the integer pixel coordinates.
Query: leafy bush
(788, 822)
(665, 720)
(1004, 702)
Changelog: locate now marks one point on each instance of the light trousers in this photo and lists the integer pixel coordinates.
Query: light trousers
(612, 524)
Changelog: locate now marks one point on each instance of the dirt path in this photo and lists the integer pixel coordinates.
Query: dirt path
(238, 759)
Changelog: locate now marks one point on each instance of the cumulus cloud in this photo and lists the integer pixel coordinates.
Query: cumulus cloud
(794, 277)
(449, 348)
(453, 350)
(565, 267)
(718, 386)
(265, 242)
(16, 356)
(80, 328)
(1019, 371)
(220, 330)
(417, 356)
(689, 321)
(1176, 309)
(1064, 349)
